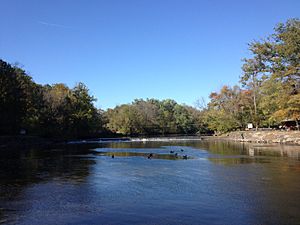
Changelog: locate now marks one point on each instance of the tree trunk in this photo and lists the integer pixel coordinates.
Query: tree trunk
(254, 102)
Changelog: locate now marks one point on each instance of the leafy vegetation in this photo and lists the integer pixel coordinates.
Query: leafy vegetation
(271, 82)
(269, 92)
(50, 110)
(152, 116)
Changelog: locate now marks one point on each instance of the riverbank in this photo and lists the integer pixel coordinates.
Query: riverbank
(25, 141)
(276, 136)
(282, 137)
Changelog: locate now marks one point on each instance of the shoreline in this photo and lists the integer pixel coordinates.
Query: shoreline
(263, 137)
(267, 137)
(25, 141)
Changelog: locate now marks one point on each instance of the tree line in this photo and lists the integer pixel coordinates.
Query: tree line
(152, 116)
(44, 110)
(268, 92)
(59, 111)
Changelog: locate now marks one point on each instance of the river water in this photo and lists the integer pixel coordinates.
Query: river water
(219, 183)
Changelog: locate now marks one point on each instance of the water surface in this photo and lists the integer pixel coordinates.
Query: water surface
(217, 183)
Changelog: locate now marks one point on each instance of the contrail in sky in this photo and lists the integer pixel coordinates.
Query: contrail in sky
(54, 25)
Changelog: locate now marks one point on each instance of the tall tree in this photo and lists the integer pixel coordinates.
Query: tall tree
(275, 64)
(10, 93)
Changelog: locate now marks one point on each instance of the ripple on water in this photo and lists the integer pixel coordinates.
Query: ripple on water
(220, 183)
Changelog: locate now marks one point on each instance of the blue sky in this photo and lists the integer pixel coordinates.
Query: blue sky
(127, 49)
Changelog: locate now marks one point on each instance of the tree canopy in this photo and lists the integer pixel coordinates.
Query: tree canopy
(152, 116)
(50, 110)
(270, 82)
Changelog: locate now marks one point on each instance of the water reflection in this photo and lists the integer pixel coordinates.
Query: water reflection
(149, 155)
(20, 169)
(237, 161)
(221, 183)
(217, 147)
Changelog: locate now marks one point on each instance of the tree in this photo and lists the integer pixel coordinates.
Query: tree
(84, 115)
(226, 110)
(252, 78)
(152, 116)
(274, 70)
(272, 96)
(56, 110)
(10, 93)
(18, 99)
(50, 110)
(124, 119)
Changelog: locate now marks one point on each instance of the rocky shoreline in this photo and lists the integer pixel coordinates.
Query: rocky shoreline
(273, 136)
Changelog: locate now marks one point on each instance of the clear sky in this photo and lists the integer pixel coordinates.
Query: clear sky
(127, 49)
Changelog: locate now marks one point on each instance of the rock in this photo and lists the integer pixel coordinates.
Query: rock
(276, 136)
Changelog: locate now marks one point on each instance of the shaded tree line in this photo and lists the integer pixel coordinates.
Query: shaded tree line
(49, 110)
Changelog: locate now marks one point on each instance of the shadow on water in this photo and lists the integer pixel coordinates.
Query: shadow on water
(225, 183)
(217, 147)
(21, 169)
(142, 154)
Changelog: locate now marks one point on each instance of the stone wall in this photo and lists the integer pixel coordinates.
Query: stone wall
(290, 137)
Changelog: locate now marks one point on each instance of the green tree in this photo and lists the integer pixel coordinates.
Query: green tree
(18, 99)
(85, 117)
(56, 111)
(152, 116)
(226, 110)
(124, 120)
(274, 71)
(148, 112)
(10, 93)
